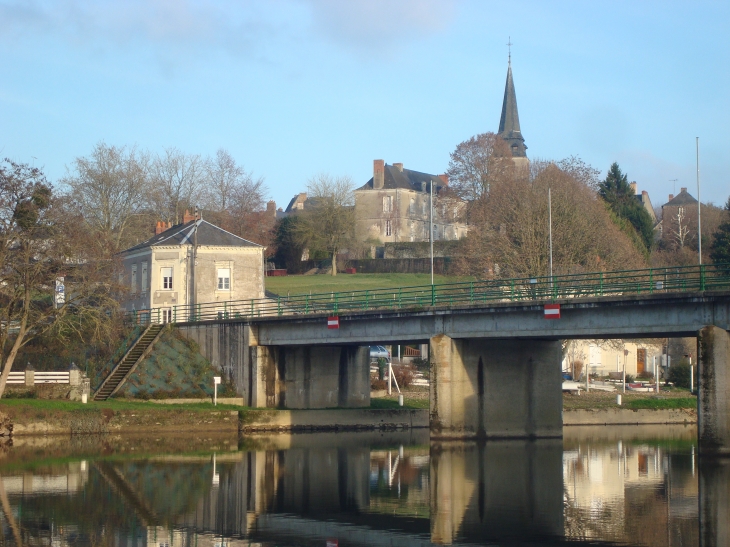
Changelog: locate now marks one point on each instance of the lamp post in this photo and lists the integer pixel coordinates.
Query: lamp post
(699, 203)
(430, 238)
(550, 234)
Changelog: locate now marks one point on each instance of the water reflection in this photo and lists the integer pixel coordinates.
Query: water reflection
(597, 485)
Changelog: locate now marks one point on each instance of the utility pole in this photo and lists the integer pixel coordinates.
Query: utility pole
(431, 231)
(550, 232)
(699, 203)
(194, 292)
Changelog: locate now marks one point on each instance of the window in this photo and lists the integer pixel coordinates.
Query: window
(166, 315)
(387, 204)
(224, 279)
(143, 286)
(166, 278)
(423, 208)
(412, 207)
(388, 229)
(133, 283)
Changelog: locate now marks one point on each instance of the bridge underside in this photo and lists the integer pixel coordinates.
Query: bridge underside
(495, 369)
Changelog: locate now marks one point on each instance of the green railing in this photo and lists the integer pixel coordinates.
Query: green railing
(621, 283)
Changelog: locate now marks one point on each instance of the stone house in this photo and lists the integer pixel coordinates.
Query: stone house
(679, 220)
(601, 358)
(394, 206)
(194, 262)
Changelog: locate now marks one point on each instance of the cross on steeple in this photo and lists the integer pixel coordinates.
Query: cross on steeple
(509, 49)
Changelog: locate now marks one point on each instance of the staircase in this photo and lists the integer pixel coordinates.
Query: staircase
(139, 350)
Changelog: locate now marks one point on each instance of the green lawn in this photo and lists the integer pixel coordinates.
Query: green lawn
(304, 284)
(62, 405)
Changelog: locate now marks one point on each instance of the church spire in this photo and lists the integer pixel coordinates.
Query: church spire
(509, 123)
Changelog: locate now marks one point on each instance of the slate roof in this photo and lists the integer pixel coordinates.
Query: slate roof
(407, 179)
(182, 234)
(683, 198)
(509, 123)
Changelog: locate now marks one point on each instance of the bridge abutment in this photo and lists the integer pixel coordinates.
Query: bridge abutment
(714, 392)
(483, 388)
(310, 376)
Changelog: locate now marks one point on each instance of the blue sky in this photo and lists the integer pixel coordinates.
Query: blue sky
(293, 88)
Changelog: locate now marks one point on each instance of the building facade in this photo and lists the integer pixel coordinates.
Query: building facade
(395, 206)
(194, 262)
(679, 220)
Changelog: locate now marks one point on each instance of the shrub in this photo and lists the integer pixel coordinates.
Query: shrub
(404, 374)
(630, 379)
(377, 384)
(382, 365)
(679, 375)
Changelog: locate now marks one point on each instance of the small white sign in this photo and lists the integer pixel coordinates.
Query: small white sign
(60, 292)
(216, 380)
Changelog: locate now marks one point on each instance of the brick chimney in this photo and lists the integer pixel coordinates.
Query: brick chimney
(682, 190)
(445, 179)
(644, 193)
(271, 207)
(187, 217)
(160, 227)
(671, 197)
(633, 188)
(398, 166)
(378, 174)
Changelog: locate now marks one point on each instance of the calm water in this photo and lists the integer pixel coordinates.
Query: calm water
(636, 486)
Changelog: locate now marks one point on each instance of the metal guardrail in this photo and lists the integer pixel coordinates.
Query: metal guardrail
(619, 283)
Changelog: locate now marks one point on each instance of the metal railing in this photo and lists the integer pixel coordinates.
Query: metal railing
(619, 283)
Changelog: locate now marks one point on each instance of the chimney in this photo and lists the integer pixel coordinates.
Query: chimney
(633, 188)
(378, 174)
(682, 190)
(671, 197)
(445, 179)
(160, 227)
(271, 207)
(645, 193)
(187, 217)
(398, 166)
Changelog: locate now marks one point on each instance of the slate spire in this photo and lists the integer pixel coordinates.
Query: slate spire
(509, 123)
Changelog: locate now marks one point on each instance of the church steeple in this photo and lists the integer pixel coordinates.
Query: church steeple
(509, 123)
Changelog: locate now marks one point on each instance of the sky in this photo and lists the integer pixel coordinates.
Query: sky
(295, 88)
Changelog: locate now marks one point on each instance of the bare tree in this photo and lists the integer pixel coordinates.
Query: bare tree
(508, 234)
(680, 229)
(477, 163)
(176, 183)
(109, 187)
(40, 243)
(329, 222)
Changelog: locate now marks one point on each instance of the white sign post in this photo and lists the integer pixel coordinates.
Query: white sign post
(60, 292)
(216, 381)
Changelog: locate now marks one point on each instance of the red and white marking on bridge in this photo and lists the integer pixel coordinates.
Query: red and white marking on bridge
(333, 322)
(552, 311)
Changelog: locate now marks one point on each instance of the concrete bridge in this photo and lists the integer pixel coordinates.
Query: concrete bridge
(495, 367)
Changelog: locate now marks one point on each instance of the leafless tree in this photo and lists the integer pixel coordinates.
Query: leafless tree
(329, 221)
(477, 163)
(109, 188)
(176, 183)
(679, 228)
(40, 242)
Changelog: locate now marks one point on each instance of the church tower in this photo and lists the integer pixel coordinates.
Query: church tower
(509, 123)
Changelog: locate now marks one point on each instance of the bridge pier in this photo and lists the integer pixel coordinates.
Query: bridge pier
(713, 398)
(483, 388)
(310, 376)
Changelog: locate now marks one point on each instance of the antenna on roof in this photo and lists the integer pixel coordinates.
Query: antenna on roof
(509, 50)
(674, 186)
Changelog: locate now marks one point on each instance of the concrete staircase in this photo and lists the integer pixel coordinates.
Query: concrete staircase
(119, 374)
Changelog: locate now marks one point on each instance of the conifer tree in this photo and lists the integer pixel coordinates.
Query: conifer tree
(617, 193)
(720, 248)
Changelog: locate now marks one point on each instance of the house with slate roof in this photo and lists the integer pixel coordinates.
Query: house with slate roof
(679, 220)
(194, 262)
(394, 206)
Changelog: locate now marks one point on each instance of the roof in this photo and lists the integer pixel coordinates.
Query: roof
(509, 123)
(407, 180)
(182, 234)
(683, 198)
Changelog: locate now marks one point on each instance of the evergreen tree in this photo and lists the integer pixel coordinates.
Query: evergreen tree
(720, 248)
(617, 193)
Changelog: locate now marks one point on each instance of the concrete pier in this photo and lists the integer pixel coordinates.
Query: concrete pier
(714, 502)
(484, 388)
(714, 392)
(310, 376)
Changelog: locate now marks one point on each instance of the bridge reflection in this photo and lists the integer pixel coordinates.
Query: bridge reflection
(378, 489)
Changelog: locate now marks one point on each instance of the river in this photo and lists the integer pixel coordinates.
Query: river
(641, 485)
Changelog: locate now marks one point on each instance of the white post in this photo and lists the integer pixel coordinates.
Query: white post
(390, 377)
(216, 381)
(691, 376)
(699, 203)
(430, 237)
(624, 374)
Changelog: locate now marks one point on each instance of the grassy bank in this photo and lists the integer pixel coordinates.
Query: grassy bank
(304, 284)
(598, 400)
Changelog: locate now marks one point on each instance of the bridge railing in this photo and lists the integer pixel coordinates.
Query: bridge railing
(596, 284)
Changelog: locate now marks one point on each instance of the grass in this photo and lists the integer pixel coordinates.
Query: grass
(657, 403)
(383, 403)
(304, 284)
(58, 405)
(598, 400)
